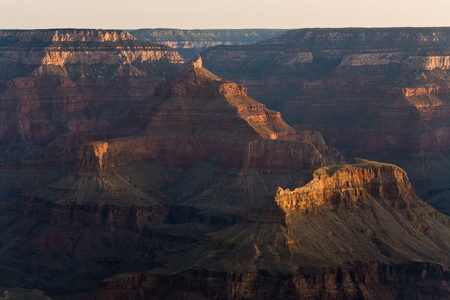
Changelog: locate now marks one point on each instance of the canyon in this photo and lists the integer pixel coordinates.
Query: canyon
(378, 93)
(129, 174)
(191, 42)
(62, 88)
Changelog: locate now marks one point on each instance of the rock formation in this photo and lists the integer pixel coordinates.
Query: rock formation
(203, 192)
(198, 130)
(354, 231)
(381, 94)
(62, 88)
(198, 117)
(364, 281)
(191, 42)
(336, 187)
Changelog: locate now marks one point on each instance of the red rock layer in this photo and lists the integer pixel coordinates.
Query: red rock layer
(185, 151)
(381, 94)
(349, 187)
(55, 84)
(96, 216)
(355, 281)
(198, 116)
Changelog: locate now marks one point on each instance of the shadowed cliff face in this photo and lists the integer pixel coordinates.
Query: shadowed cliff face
(62, 88)
(191, 42)
(54, 82)
(81, 53)
(197, 116)
(354, 231)
(375, 93)
(201, 181)
(196, 155)
(358, 281)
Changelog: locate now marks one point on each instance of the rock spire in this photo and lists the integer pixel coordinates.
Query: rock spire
(196, 62)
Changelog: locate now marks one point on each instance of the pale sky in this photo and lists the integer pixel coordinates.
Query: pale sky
(217, 14)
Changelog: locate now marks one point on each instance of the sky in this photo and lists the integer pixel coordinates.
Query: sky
(221, 14)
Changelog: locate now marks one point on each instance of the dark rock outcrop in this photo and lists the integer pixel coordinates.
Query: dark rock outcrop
(62, 88)
(355, 281)
(378, 93)
(191, 42)
(130, 195)
(199, 117)
(202, 192)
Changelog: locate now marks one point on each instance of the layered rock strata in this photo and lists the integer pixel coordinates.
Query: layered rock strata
(378, 93)
(200, 116)
(191, 42)
(62, 88)
(367, 281)
(201, 181)
(354, 231)
(53, 81)
(191, 154)
(337, 187)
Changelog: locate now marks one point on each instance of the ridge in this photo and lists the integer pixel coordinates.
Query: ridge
(196, 115)
(194, 81)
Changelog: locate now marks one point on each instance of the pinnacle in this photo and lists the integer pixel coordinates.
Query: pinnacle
(196, 62)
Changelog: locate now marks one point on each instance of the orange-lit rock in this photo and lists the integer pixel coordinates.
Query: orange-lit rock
(348, 187)
(199, 117)
(200, 191)
(377, 93)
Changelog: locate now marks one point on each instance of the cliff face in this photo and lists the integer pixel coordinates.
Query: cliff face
(262, 217)
(76, 53)
(101, 216)
(200, 116)
(375, 93)
(54, 82)
(62, 88)
(363, 212)
(66, 35)
(354, 231)
(193, 153)
(346, 187)
(191, 42)
(201, 181)
(367, 281)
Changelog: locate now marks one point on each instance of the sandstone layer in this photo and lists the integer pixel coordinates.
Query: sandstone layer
(200, 151)
(358, 281)
(381, 94)
(201, 191)
(62, 88)
(191, 42)
(354, 231)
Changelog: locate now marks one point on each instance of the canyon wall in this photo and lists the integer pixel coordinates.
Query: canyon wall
(129, 181)
(362, 281)
(62, 88)
(338, 236)
(380, 94)
(191, 42)
(337, 187)
(194, 189)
